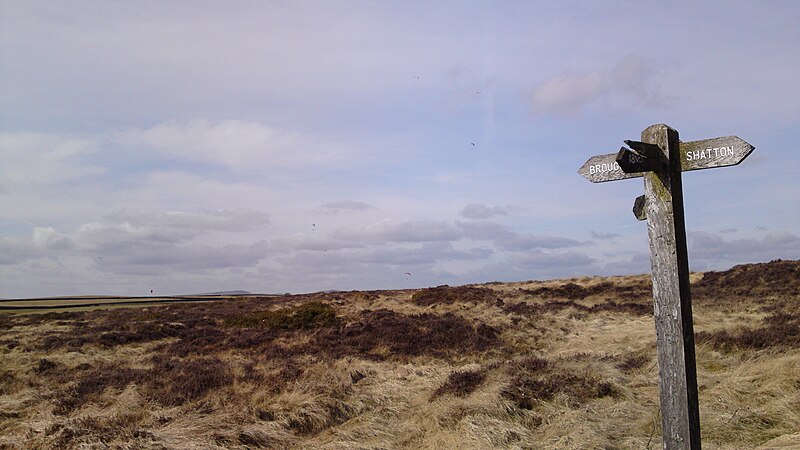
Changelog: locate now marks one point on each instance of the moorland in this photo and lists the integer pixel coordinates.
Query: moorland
(567, 364)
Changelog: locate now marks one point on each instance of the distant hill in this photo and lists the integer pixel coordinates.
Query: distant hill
(227, 293)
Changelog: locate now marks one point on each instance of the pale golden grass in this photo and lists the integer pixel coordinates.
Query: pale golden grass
(748, 398)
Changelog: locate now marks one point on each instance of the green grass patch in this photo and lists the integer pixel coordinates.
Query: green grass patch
(301, 317)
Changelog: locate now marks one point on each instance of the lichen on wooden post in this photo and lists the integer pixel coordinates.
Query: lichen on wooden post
(672, 303)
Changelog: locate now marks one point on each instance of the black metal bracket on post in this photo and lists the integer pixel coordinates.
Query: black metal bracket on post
(643, 157)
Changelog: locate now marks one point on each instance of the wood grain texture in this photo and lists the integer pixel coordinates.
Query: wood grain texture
(694, 155)
(639, 206)
(671, 297)
(602, 168)
(716, 152)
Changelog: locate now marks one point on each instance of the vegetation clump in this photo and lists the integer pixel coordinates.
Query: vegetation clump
(301, 317)
(7, 380)
(44, 366)
(779, 330)
(633, 362)
(573, 291)
(776, 278)
(460, 384)
(168, 382)
(536, 309)
(535, 380)
(446, 295)
(386, 334)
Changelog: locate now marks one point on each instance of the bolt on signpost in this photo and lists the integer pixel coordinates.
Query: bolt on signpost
(660, 158)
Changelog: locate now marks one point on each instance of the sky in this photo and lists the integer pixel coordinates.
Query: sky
(292, 146)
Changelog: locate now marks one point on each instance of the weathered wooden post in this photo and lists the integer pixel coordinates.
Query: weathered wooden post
(660, 158)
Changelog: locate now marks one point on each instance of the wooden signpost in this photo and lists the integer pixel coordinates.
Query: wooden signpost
(661, 158)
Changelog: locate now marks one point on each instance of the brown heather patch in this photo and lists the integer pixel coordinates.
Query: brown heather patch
(45, 366)
(535, 380)
(380, 334)
(7, 321)
(634, 361)
(371, 334)
(572, 291)
(88, 430)
(186, 379)
(386, 334)
(113, 328)
(7, 381)
(779, 330)
(446, 295)
(460, 384)
(168, 382)
(538, 309)
(9, 343)
(91, 384)
(776, 278)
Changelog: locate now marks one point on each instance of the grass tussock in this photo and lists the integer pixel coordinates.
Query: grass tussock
(446, 367)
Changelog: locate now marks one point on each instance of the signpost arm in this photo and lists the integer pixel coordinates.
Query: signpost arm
(671, 297)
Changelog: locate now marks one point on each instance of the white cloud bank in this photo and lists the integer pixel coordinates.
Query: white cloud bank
(239, 145)
(568, 93)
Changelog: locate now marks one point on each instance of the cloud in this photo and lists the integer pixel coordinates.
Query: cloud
(220, 220)
(596, 235)
(49, 239)
(710, 250)
(298, 242)
(483, 230)
(409, 231)
(44, 159)
(336, 207)
(506, 239)
(549, 262)
(528, 241)
(126, 242)
(392, 255)
(481, 211)
(125, 229)
(14, 251)
(236, 144)
(567, 93)
(178, 258)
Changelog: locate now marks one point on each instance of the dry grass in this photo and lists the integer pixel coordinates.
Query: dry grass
(566, 364)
